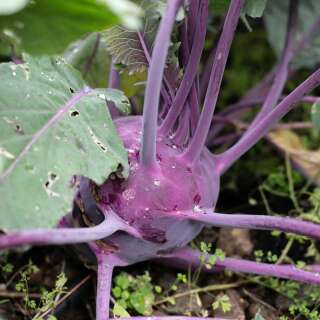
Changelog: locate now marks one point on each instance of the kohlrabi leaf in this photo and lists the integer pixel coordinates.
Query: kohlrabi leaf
(52, 126)
(254, 8)
(90, 56)
(125, 45)
(276, 16)
(132, 50)
(48, 26)
(12, 6)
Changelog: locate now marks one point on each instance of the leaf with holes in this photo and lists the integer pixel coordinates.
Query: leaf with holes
(51, 127)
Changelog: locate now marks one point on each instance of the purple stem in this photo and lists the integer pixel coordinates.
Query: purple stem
(257, 93)
(244, 104)
(219, 63)
(163, 91)
(283, 66)
(180, 136)
(192, 19)
(104, 281)
(110, 225)
(227, 158)
(113, 83)
(205, 76)
(185, 54)
(114, 78)
(191, 257)
(190, 72)
(92, 56)
(168, 318)
(227, 138)
(194, 108)
(259, 90)
(57, 117)
(154, 82)
(248, 221)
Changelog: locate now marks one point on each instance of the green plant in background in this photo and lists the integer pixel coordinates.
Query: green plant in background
(222, 302)
(134, 293)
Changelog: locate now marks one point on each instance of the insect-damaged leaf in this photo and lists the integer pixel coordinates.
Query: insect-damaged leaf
(51, 127)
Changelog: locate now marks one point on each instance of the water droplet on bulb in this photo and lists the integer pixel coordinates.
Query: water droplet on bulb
(197, 208)
(129, 194)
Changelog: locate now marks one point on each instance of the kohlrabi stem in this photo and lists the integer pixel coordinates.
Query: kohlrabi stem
(198, 141)
(259, 222)
(192, 19)
(193, 258)
(185, 38)
(113, 83)
(168, 318)
(181, 134)
(114, 78)
(104, 281)
(259, 90)
(110, 225)
(226, 159)
(190, 71)
(163, 91)
(282, 69)
(194, 108)
(252, 102)
(154, 82)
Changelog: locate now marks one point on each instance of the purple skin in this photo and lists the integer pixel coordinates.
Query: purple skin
(174, 180)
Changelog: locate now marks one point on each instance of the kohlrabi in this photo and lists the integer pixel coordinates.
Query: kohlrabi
(174, 180)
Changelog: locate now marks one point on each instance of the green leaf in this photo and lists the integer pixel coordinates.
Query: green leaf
(258, 316)
(12, 6)
(254, 8)
(315, 115)
(128, 12)
(142, 301)
(119, 311)
(48, 26)
(124, 45)
(276, 16)
(51, 128)
(90, 56)
(219, 6)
